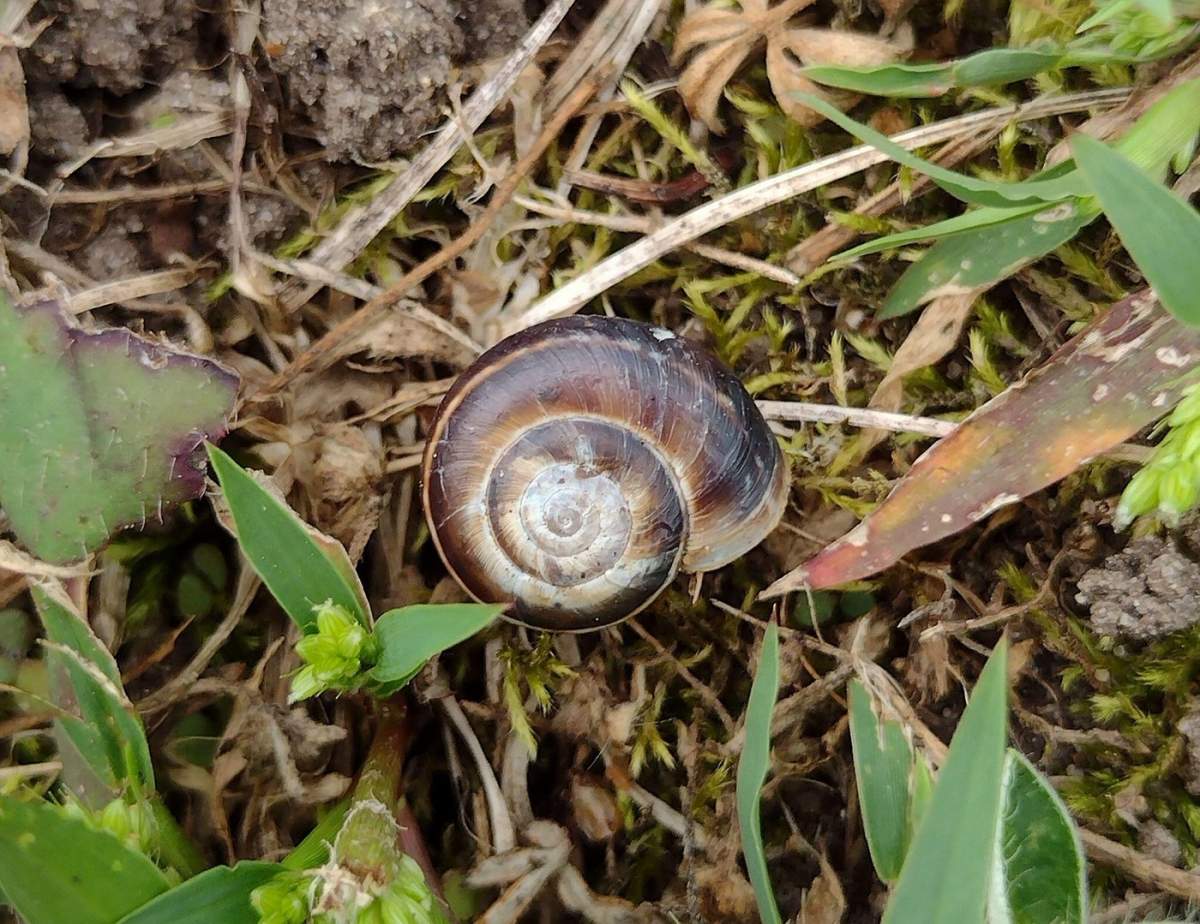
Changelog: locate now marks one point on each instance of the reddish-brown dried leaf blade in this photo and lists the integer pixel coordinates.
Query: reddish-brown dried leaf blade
(1121, 373)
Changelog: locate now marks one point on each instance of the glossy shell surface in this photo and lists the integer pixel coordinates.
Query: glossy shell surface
(576, 466)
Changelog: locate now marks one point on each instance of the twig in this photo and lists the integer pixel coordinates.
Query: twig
(779, 188)
(125, 290)
(362, 319)
(504, 835)
(23, 771)
(856, 416)
(1138, 866)
(361, 225)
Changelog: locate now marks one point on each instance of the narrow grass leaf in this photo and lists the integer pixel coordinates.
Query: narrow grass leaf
(411, 635)
(300, 566)
(86, 684)
(1041, 873)
(1160, 230)
(981, 257)
(220, 895)
(314, 849)
(1163, 130)
(894, 80)
(947, 871)
(922, 793)
(949, 227)
(752, 772)
(987, 68)
(967, 188)
(883, 768)
(55, 868)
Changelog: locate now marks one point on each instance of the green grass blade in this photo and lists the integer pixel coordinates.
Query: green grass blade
(893, 80)
(314, 849)
(300, 566)
(883, 768)
(967, 188)
(103, 724)
(220, 895)
(947, 871)
(411, 635)
(1163, 130)
(978, 258)
(752, 772)
(55, 868)
(1160, 230)
(939, 230)
(1040, 862)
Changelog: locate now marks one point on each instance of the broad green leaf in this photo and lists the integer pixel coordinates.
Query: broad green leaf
(220, 895)
(16, 637)
(314, 849)
(1041, 874)
(300, 566)
(100, 720)
(977, 258)
(946, 873)
(99, 430)
(967, 188)
(1160, 230)
(411, 635)
(55, 868)
(986, 68)
(752, 771)
(883, 771)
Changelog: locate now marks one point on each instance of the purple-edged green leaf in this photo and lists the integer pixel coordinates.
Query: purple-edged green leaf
(1121, 373)
(99, 430)
(1158, 228)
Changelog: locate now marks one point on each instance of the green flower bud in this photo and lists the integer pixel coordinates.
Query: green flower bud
(282, 900)
(336, 656)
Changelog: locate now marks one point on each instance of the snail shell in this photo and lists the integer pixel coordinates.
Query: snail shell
(576, 466)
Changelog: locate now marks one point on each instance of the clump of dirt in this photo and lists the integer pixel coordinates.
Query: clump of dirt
(57, 127)
(371, 76)
(111, 44)
(1144, 592)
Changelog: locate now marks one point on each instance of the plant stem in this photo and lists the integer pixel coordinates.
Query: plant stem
(367, 843)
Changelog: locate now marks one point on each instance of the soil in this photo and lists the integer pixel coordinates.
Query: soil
(371, 77)
(1147, 591)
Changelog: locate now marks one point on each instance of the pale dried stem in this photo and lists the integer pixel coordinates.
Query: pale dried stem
(779, 188)
(120, 291)
(855, 416)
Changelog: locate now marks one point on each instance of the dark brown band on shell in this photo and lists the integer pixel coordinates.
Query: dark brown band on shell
(604, 444)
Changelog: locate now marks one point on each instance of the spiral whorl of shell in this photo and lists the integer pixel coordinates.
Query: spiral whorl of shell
(577, 465)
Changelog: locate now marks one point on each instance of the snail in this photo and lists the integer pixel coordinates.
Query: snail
(575, 467)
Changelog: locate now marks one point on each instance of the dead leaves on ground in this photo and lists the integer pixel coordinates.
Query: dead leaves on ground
(723, 39)
(1121, 373)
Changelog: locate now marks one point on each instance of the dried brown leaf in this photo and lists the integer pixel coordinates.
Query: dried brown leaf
(727, 38)
(14, 112)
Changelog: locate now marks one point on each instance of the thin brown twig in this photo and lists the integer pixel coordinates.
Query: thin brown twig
(691, 679)
(368, 313)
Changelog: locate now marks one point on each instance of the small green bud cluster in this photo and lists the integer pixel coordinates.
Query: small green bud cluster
(1134, 30)
(407, 899)
(1170, 481)
(337, 656)
(131, 822)
(283, 900)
